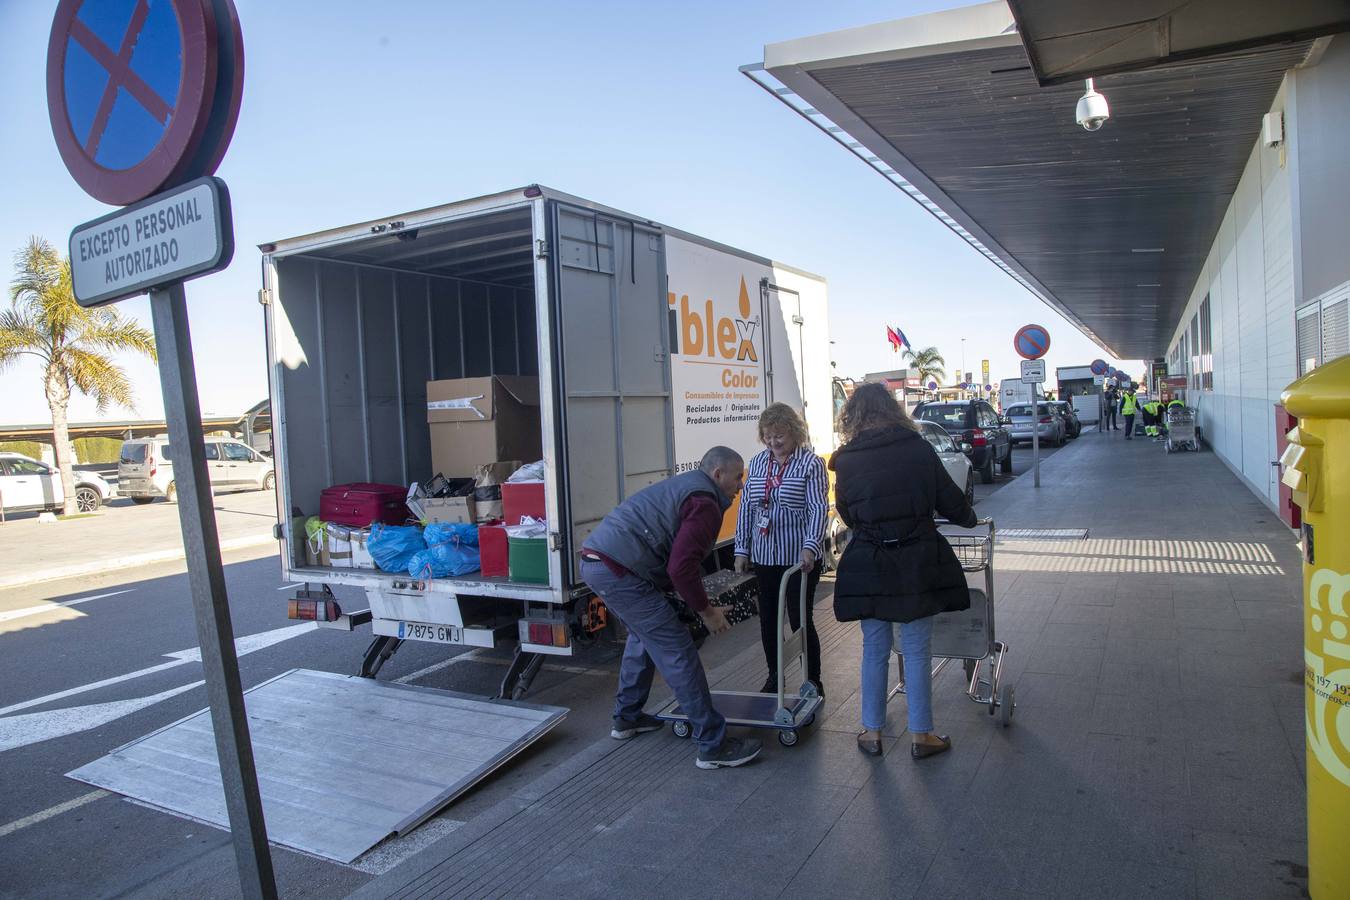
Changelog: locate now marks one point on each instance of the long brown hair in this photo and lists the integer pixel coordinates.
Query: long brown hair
(872, 406)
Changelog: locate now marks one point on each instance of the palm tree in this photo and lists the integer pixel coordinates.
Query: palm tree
(71, 342)
(929, 362)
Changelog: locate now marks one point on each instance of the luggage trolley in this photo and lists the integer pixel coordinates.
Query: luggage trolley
(1181, 429)
(784, 712)
(968, 635)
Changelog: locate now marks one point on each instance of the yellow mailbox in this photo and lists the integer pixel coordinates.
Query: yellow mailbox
(1317, 469)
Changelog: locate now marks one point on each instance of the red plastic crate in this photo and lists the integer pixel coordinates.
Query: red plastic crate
(493, 551)
(522, 498)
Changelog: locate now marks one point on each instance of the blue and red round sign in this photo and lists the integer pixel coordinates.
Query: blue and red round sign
(143, 95)
(1099, 367)
(1031, 341)
(932, 385)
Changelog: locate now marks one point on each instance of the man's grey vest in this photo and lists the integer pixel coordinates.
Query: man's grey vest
(640, 531)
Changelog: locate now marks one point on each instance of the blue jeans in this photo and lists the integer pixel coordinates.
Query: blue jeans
(657, 641)
(916, 643)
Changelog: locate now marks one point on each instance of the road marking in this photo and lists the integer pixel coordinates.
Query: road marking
(51, 812)
(243, 646)
(34, 728)
(93, 686)
(47, 607)
(287, 587)
(471, 656)
(253, 642)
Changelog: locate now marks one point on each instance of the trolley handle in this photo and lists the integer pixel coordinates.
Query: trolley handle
(986, 523)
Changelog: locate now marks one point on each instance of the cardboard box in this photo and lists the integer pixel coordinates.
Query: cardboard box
(361, 558)
(448, 509)
(478, 420)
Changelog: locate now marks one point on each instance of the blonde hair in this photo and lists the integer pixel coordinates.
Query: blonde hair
(785, 418)
(872, 406)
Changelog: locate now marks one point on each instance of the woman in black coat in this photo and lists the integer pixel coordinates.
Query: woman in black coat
(897, 567)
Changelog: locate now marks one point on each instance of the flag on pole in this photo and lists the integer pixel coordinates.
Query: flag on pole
(894, 337)
(904, 340)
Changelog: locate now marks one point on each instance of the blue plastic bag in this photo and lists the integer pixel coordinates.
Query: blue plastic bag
(456, 532)
(393, 546)
(456, 555)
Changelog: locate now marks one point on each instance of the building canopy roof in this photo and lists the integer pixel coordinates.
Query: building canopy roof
(1111, 228)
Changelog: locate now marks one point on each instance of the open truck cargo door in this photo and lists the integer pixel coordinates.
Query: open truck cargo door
(611, 365)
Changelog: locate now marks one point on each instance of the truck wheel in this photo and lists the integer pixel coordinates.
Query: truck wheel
(987, 470)
(141, 501)
(1005, 465)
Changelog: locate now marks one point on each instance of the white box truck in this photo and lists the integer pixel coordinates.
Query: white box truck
(649, 344)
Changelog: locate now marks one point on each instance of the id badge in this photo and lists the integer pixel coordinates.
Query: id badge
(763, 523)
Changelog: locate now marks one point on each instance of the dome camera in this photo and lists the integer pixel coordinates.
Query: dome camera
(1092, 111)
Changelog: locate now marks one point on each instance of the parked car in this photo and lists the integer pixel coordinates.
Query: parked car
(1047, 423)
(1073, 427)
(955, 457)
(973, 422)
(145, 468)
(27, 485)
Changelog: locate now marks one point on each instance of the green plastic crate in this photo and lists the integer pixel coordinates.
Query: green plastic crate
(528, 559)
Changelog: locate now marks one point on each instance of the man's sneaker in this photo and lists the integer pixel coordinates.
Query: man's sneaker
(732, 752)
(629, 728)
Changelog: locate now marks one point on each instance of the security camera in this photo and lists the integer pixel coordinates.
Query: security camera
(1092, 111)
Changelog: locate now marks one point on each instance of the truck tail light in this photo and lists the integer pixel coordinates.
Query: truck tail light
(545, 632)
(313, 610)
(977, 438)
(1045, 420)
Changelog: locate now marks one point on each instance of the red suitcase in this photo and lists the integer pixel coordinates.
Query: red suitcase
(361, 503)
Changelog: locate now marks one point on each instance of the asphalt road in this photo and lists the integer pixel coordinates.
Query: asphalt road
(87, 665)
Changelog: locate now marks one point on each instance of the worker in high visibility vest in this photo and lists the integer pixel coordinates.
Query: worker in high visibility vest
(1152, 416)
(1129, 405)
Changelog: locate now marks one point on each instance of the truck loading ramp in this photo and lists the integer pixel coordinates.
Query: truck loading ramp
(343, 762)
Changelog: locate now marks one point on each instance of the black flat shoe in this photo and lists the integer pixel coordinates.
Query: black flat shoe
(921, 751)
(870, 747)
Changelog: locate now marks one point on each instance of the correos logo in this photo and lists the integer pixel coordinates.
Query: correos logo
(1327, 672)
(729, 339)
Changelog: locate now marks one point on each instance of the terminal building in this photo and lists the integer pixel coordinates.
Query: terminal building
(1200, 225)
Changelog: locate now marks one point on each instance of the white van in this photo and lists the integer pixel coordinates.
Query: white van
(145, 468)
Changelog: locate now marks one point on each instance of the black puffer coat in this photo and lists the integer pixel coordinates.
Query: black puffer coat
(896, 567)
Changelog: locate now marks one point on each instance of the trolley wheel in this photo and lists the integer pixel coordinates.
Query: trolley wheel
(681, 729)
(810, 720)
(1006, 704)
(787, 738)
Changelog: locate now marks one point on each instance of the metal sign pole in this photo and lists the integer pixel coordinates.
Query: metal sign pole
(215, 631)
(1036, 434)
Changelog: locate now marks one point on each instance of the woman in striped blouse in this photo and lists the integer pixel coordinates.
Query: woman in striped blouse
(780, 523)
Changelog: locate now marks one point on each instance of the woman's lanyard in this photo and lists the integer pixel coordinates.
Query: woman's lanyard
(771, 483)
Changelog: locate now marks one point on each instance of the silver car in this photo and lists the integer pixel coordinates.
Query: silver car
(145, 468)
(1049, 425)
(955, 456)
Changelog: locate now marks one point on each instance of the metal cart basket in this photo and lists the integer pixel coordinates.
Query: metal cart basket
(785, 712)
(969, 635)
(1181, 429)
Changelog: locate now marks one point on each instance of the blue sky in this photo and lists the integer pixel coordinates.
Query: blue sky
(355, 111)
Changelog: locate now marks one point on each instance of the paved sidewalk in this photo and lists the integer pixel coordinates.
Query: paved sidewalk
(1157, 748)
(121, 535)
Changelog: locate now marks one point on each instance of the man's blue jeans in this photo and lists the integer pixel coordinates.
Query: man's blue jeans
(916, 643)
(657, 641)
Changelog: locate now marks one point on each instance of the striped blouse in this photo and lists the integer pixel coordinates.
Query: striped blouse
(797, 509)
